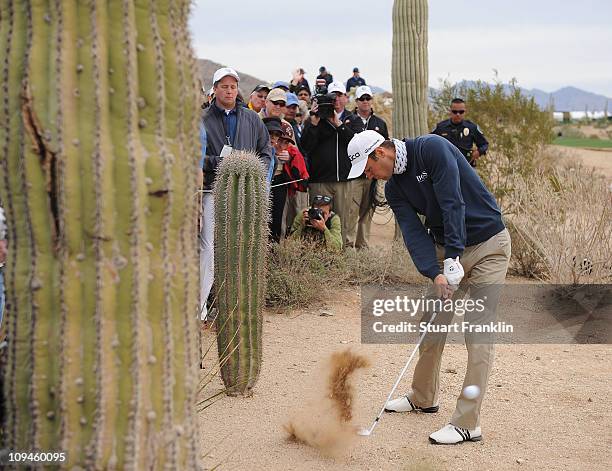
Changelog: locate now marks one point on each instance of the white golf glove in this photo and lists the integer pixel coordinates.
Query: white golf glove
(453, 271)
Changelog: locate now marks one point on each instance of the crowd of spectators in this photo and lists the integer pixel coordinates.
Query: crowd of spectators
(304, 150)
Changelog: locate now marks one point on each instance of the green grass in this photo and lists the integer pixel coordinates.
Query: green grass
(583, 142)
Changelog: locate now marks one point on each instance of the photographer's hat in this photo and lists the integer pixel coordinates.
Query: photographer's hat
(360, 147)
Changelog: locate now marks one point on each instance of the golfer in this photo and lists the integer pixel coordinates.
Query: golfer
(463, 242)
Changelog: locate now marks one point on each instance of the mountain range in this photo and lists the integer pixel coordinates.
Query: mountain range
(564, 99)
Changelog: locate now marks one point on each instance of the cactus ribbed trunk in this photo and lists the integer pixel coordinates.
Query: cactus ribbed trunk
(409, 68)
(98, 164)
(241, 241)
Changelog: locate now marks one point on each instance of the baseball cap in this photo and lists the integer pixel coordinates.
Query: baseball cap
(224, 72)
(273, 124)
(355, 69)
(261, 87)
(336, 87)
(303, 87)
(277, 94)
(322, 69)
(360, 147)
(281, 84)
(287, 131)
(363, 90)
(292, 99)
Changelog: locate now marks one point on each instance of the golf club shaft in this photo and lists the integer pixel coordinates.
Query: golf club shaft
(382, 410)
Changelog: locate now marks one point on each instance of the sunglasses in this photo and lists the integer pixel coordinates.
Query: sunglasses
(278, 103)
(457, 111)
(364, 98)
(321, 199)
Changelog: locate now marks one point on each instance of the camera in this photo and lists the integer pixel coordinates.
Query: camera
(325, 101)
(314, 214)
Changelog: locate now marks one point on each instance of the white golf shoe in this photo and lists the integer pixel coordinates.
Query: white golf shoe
(404, 404)
(451, 435)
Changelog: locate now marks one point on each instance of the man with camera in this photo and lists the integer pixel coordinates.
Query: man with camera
(462, 133)
(319, 224)
(325, 139)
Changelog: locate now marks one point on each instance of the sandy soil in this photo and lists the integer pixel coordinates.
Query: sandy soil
(548, 406)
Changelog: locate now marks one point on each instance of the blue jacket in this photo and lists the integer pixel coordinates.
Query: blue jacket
(440, 184)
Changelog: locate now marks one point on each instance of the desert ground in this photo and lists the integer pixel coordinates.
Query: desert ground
(548, 406)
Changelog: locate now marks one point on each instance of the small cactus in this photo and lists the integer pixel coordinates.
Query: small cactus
(241, 243)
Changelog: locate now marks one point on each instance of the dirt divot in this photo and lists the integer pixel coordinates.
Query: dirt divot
(325, 422)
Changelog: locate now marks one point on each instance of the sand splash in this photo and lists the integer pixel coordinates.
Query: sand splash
(325, 423)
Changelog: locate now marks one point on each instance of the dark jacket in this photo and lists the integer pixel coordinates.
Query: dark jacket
(354, 82)
(463, 136)
(440, 184)
(301, 83)
(251, 135)
(326, 148)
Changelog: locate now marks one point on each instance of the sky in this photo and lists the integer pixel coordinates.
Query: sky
(544, 44)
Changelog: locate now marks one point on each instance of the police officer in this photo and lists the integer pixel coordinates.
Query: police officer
(462, 133)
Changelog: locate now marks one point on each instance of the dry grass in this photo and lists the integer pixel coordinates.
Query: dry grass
(300, 271)
(564, 218)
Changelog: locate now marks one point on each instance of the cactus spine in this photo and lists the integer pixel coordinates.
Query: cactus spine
(241, 241)
(409, 68)
(98, 165)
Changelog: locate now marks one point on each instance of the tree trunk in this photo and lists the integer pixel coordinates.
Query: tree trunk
(409, 68)
(98, 164)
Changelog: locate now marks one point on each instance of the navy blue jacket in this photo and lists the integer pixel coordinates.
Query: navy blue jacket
(463, 135)
(440, 184)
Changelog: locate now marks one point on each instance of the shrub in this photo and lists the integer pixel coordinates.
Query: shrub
(516, 128)
(301, 271)
(565, 217)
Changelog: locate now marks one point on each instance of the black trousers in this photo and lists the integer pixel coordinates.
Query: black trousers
(279, 196)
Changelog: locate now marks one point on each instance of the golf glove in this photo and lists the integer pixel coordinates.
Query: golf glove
(453, 271)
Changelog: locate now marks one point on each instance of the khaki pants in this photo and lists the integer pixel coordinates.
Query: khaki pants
(361, 213)
(484, 264)
(341, 194)
(294, 204)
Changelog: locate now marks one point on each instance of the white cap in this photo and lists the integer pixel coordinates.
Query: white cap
(360, 147)
(336, 87)
(224, 72)
(363, 90)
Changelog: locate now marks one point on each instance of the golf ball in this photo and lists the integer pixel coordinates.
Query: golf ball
(471, 392)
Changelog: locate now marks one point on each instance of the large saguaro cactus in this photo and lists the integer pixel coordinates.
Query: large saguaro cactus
(409, 68)
(98, 167)
(241, 241)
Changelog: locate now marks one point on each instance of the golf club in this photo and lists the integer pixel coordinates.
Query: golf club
(368, 431)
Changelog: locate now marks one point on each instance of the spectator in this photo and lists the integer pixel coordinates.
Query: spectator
(280, 84)
(275, 104)
(325, 141)
(363, 190)
(325, 75)
(257, 100)
(291, 110)
(298, 81)
(303, 93)
(355, 81)
(289, 168)
(319, 223)
(3, 253)
(341, 100)
(229, 125)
